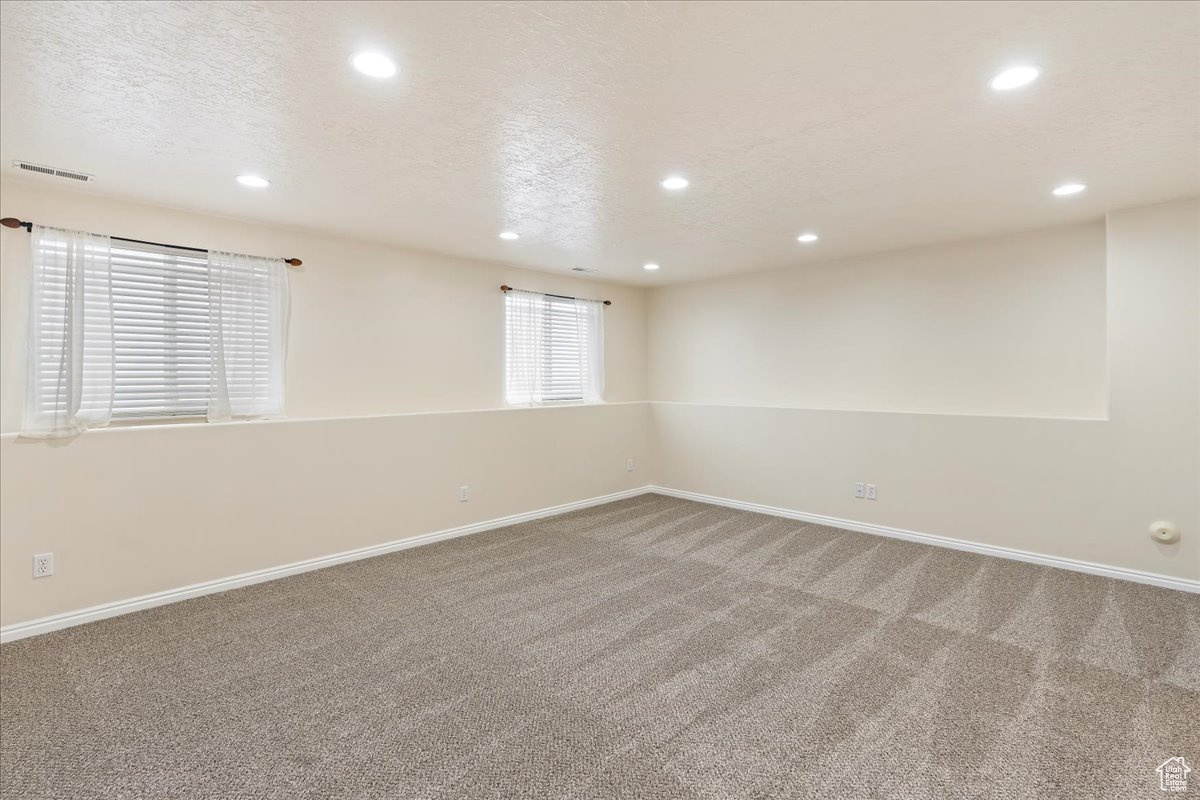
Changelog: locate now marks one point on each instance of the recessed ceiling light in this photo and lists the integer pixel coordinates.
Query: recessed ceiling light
(1014, 78)
(253, 181)
(650, 267)
(377, 65)
(510, 235)
(1069, 188)
(807, 237)
(675, 182)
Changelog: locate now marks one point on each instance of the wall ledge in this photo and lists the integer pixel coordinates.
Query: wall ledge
(193, 425)
(950, 414)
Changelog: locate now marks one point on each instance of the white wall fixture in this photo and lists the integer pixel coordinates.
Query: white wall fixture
(43, 565)
(872, 492)
(1164, 532)
(464, 494)
(860, 490)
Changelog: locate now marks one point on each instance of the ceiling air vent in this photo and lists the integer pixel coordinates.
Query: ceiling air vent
(56, 173)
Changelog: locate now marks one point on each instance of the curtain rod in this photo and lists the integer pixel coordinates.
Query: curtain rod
(13, 222)
(506, 289)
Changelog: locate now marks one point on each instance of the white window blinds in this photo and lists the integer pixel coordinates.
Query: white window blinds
(138, 331)
(554, 349)
(161, 332)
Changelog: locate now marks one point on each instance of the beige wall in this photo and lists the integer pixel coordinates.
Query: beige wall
(378, 331)
(374, 329)
(1079, 489)
(134, 511)
(1010, 325)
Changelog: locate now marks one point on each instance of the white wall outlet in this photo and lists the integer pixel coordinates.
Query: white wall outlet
(43, 565)
(629, 465)
(464, 494)
(1164, 533)
(859, 490)
(871, 492)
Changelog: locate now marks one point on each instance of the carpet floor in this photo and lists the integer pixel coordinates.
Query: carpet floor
(649, 648)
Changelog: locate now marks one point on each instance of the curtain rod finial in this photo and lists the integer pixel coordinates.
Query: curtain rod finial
(13, 222)
(295, 262)
(505, 287)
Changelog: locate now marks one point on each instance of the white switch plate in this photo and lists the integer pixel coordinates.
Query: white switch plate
(629, 465)
(871, 492)
(858, 490)
(464, 494)
(43, 565)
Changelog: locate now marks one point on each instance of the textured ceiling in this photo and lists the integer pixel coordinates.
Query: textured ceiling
(871, 123)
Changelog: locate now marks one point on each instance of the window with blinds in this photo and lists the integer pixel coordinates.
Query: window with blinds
(553, 349)
(134, 331)
(161, 332)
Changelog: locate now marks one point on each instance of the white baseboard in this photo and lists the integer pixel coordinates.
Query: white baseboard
(35, 627)
(1104, 570)
(69, 619)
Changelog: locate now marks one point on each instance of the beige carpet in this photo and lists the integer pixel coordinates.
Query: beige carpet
(651, 648)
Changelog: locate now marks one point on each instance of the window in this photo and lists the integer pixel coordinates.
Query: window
(554, 349)
(161, 360)
(133, 331)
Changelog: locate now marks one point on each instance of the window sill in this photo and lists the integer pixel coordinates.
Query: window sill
(144, 422)
(556, 403)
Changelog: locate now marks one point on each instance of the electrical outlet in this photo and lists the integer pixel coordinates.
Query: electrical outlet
(43, 565)
(859, 490)
(871, 492)
(629, 465)
(464, 494)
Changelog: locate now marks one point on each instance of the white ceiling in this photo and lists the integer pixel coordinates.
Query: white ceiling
(870, 123)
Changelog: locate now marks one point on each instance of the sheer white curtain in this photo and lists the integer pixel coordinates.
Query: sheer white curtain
(248, 309)
(554, 349)
(71, 354)
(525, 353)
(591, 318)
